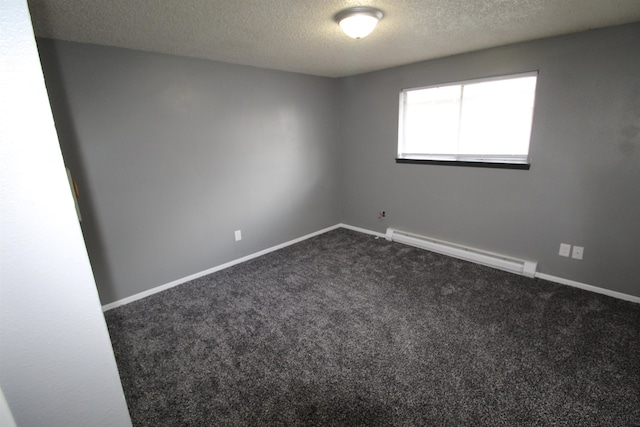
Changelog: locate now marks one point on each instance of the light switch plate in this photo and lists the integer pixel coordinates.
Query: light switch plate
(565, 249)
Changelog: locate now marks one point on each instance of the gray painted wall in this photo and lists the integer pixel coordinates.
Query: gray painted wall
(584, 184)
(173, 154)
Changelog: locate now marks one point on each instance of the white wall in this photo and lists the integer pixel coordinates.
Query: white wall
(57, 367)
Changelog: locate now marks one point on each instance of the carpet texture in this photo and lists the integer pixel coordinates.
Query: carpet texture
(347, 330)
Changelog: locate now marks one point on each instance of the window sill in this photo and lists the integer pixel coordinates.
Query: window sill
(476, 164)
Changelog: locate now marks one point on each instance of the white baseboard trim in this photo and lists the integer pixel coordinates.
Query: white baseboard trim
(543, 276)
(362, 230)
(586, 287)
(170, 285)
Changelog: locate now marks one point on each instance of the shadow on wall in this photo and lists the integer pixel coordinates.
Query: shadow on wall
(72, 153)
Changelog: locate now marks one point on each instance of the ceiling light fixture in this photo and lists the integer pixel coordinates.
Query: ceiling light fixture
(358, 22)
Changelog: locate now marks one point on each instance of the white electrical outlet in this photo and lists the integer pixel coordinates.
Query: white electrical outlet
(565, 249)
(578, 251)
(238, 235)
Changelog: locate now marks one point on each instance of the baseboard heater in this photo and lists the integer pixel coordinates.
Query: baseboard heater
(490, 259)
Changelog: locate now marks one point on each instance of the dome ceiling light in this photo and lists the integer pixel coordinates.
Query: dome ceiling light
(358, 22)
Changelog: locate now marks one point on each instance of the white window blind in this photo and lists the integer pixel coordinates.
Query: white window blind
(486, 120)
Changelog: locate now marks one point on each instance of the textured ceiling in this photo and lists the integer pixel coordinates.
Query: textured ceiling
(301, 36)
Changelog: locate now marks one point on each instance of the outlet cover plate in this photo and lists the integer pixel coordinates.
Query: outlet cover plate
(578, 251)
(238, 235)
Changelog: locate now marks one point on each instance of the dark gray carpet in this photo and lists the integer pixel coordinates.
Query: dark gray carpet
(346, 329)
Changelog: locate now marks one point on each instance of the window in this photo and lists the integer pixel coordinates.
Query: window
(483, 122)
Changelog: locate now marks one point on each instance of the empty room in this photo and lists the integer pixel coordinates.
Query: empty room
(414, 212)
